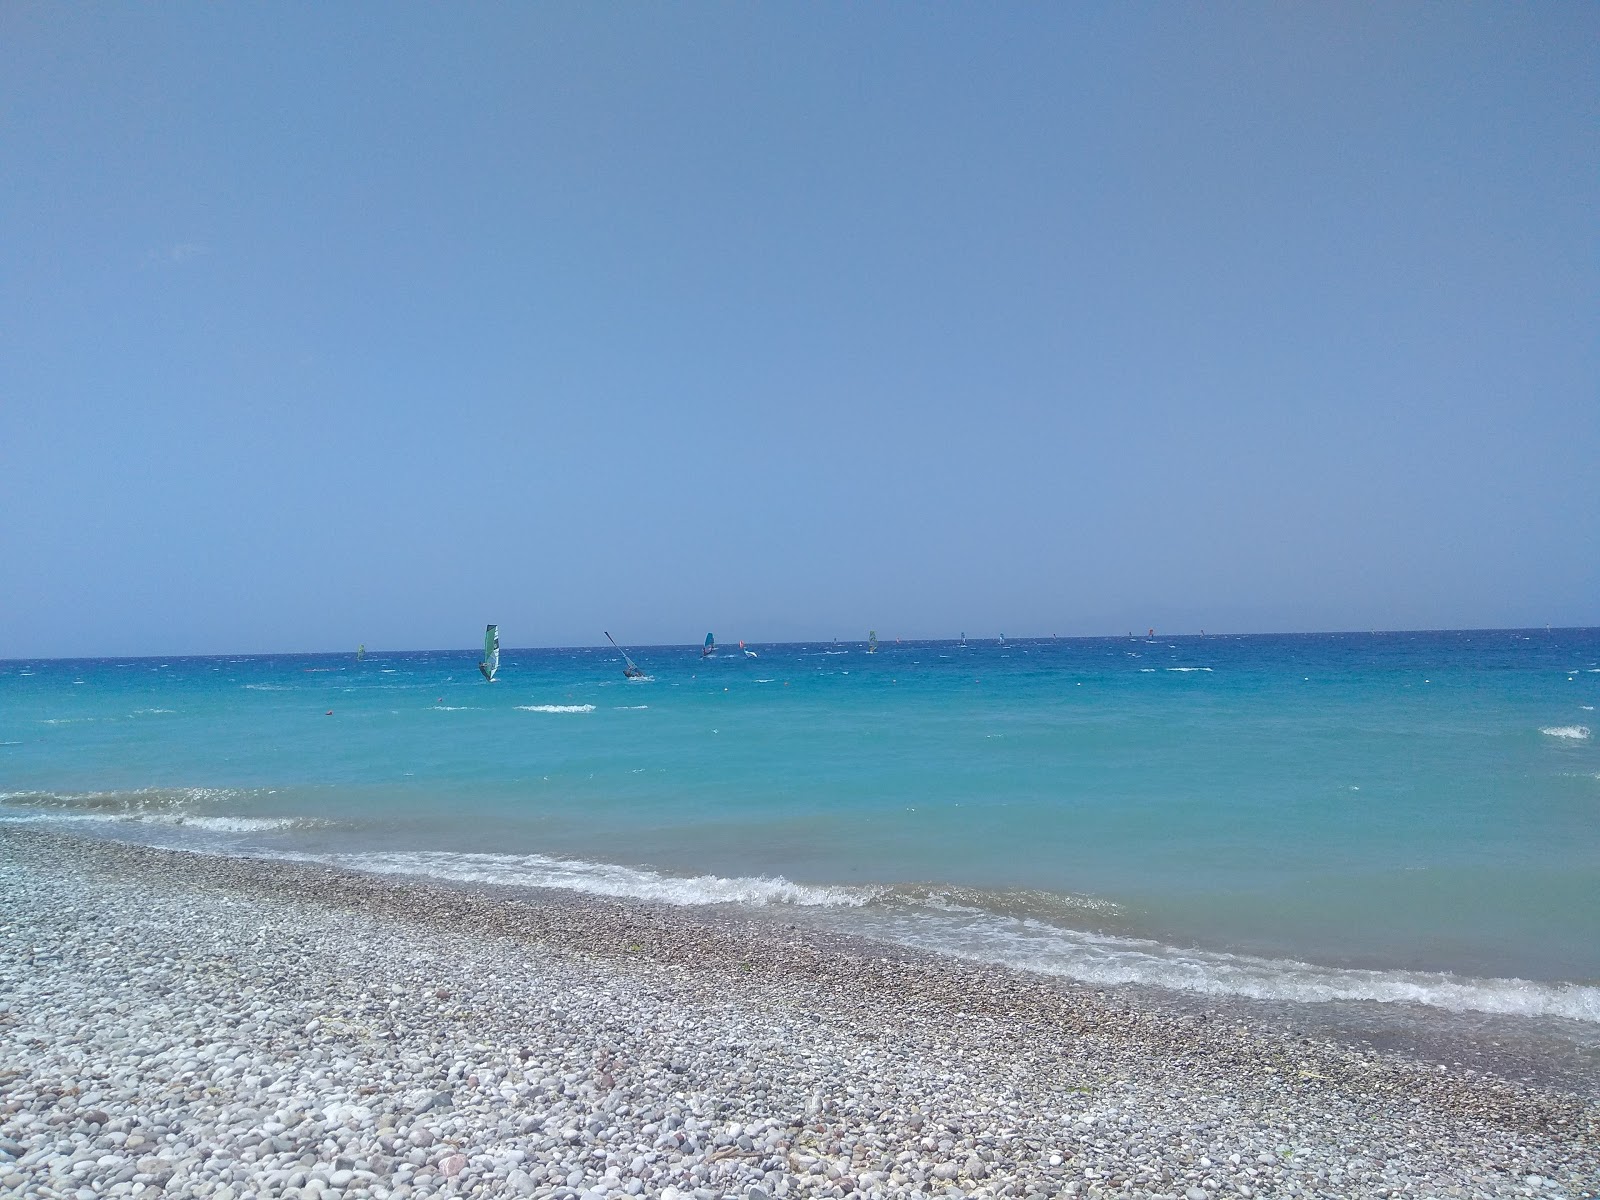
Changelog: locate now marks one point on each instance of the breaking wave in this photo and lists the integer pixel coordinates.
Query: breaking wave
(121, 803)
(1103, 959)
(1017, 928)
(556, 708)
(1577, 733)
(171, 807)
(598, 879)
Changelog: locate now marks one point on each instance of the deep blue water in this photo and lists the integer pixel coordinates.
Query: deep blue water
(1407, 816)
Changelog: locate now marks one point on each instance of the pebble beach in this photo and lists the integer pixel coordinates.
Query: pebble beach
(185, 1025)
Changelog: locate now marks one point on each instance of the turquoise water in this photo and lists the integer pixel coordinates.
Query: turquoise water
(1383, 816)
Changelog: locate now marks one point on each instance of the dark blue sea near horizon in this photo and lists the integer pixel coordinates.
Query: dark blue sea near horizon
(1391, 817)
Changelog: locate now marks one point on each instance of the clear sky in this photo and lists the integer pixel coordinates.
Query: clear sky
(326, 324)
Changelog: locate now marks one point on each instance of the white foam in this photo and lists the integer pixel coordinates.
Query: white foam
(1578, 733)
(25, 818)
(229, 824)
(556, 708)
(600, 879)
(210, 824)
(1049, 949)
(962, 924)
(630, 707)
(1207, 669)
(150, 712)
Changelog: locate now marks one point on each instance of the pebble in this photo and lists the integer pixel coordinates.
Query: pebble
(206, 1027)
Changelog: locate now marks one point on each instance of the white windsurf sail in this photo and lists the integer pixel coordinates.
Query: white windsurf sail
(490, 666)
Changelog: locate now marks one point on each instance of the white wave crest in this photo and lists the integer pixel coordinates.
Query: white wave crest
(1577, 733)
(965, 924)
(122, 803)
(600, 879)
(1186, 669)
(556, 708)
(630, 707)
(227, 824)
(1049, 949)
(150, 712)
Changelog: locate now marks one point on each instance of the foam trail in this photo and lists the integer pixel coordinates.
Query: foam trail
(230, 824)
(1577, 733)
(598, 879)
(556, 708)
(963, 924)
(1103, 959)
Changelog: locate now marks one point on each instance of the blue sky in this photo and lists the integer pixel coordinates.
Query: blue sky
(327, 324)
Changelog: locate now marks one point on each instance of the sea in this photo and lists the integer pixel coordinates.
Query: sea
(1406, 819)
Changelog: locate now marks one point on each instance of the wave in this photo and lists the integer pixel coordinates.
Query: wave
(169, 820)
(599, 879)
(172, 807)
(1206, 669)
(240, 824)
(1102, 959)
(629, 707)
(1017, 928)
(556, 708)
(122, 803)
(1577, 733)
(150, 712)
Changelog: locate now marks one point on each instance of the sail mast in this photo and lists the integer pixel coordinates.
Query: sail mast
(632, 671)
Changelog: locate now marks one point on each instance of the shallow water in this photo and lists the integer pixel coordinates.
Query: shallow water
(1391, 817)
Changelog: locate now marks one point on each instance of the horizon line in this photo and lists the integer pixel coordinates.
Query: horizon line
(1107, 637)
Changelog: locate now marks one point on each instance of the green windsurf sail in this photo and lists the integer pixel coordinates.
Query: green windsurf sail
(490, 666)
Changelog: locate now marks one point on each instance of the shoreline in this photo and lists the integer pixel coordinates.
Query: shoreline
(849, 1066)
